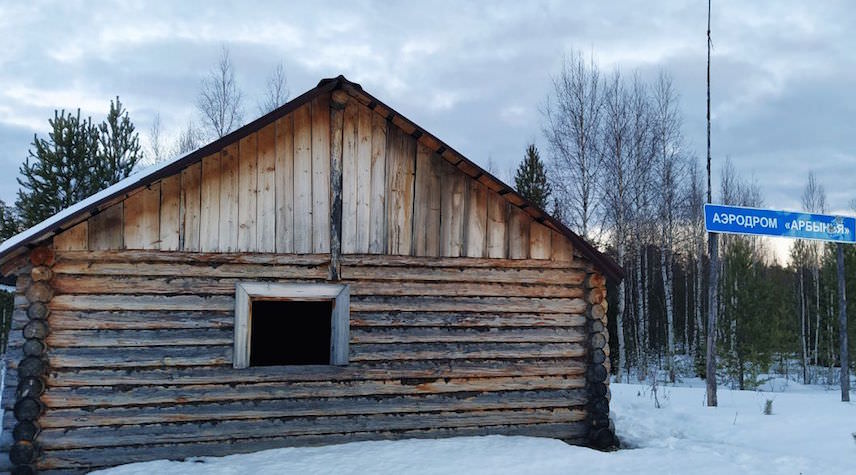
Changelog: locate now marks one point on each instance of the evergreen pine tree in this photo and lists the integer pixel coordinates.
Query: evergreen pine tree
(9, 225)
(77, 160)
(531, 180)
(60, 170)
(119, 145)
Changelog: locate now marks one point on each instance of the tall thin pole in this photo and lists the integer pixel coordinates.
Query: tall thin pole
(713, 251)
(842, 322)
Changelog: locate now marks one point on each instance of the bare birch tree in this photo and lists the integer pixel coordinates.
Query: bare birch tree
(220, 100)
(640, 148)
(156, 149)
(617, 185)
(669, 169)
(814, 201)
(189, 139)
(573, 115)
(276, 90)
(695, 216)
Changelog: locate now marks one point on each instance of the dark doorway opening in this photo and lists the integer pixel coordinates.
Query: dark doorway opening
(290, 332)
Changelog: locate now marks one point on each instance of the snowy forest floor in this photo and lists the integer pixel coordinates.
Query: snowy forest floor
(809, 431)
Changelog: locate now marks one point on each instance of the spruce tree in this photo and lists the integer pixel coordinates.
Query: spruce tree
(531, 180)
(119, 145)
(75, 161)
(9, 225)
(60, 170)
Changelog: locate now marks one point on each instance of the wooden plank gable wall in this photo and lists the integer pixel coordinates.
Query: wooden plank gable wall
(270, 192)
(467, 316)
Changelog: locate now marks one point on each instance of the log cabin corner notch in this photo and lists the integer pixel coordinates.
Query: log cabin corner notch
(470, 311)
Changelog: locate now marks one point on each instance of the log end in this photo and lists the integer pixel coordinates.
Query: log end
(42, 256)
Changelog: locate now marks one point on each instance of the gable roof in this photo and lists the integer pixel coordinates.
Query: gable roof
(80, 211)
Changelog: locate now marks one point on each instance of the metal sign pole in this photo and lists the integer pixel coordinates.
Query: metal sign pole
(842, 323)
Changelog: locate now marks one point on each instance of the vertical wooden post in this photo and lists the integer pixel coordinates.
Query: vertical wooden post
(842, 322)
(337, 118)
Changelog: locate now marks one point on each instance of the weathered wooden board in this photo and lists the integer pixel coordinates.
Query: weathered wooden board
(363, 179)
(106, 396)
(321, 174)
(177, 433)
(456, 304)
(135, 320)
(539, 241)
(170, 213)
(138, 338)
(453, 198)
(401, 163)
(465, 319)
(145, 303)
(279, 271)
(75, 238)
(465, 335)
(407, 261)
(426, 204)
(303, 208)
(561, 248)
(248, 193)
(377, 207)
(266, 203)
(209, 225)
(387, 371)
(105, 228)
(229, 190)
(129, 358)
(518, 234)
(350, 140)
(511, 275)
(284, 170)
(190, 207)
(191, 285)
(279, 408)
(476, 219)
(216, 258)
(497, 226)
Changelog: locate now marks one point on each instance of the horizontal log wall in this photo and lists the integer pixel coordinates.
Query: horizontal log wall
(271, 192)
(141, 355)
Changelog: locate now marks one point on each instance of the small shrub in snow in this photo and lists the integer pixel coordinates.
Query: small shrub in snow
(768, 407)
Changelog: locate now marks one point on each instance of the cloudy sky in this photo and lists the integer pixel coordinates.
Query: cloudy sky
(783, 71)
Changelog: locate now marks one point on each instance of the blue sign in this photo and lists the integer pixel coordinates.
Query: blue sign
(766, 222)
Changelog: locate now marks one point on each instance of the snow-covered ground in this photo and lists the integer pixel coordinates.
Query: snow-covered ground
(810, 431)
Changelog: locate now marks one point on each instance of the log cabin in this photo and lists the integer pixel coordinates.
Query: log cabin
(330, 272)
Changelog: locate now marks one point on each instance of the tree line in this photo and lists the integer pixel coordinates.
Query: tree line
(619, 173)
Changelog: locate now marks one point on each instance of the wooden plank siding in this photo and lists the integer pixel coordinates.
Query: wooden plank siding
(141, 355)
(270, 193)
